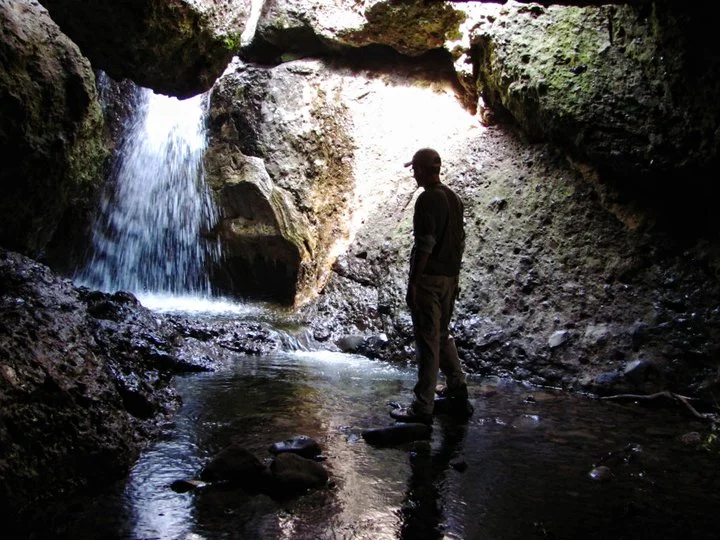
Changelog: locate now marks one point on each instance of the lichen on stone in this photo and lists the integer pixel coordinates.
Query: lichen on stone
(411, 28)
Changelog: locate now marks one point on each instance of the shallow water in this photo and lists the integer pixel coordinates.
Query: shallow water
(518, 469)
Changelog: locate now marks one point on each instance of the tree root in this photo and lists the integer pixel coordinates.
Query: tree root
(675, 398)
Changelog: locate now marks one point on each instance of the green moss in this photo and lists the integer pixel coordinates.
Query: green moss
(232, 42)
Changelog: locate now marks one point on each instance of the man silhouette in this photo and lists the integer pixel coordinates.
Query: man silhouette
(439, 242)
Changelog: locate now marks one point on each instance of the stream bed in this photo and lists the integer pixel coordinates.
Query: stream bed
(519, 468)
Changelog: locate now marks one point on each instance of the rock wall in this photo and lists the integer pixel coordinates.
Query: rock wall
(177, 48)
(51, 128)
(279, 158)
(76, 403)
(623, 88)
(555, 289)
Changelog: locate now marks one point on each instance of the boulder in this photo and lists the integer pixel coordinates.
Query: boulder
(412, 27)
(279, 160)
(620, 86)
(176, 48)
(301, 445)
(51, 127)
(292, 473)
(234, 465)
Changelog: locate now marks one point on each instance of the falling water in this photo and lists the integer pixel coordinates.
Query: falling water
(148, 235)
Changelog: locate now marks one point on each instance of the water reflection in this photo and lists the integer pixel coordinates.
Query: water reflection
(422, 509)
(517, 470)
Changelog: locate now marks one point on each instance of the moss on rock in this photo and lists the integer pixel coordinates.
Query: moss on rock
(610, 84)
(409, 27)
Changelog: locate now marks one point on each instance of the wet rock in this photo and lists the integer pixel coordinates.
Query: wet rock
(558, 338)
(322, 333)
(629, 454)
(397, 434)
(526, 421)
(235, 465)
(601, 473)
(373, 346)
(458, 408)
(636, 371)
(8, 373)
(350, 344)
(692, 438)
(301, 445)
(183, 486)
(79, 397)
(605, 383)
(292, 473)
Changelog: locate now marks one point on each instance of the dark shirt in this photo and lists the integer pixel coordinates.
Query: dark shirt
(438, 229)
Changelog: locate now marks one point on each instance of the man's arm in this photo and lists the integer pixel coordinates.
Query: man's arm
(417, 267)
(424, 233)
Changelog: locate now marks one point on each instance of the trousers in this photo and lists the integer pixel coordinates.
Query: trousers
(434, 346)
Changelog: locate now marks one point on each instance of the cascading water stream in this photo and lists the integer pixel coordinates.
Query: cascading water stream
(148, 235)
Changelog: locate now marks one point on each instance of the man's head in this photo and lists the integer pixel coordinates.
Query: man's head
(426, 166)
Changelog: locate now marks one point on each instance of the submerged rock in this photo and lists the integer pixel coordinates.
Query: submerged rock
(291, 473)
(235, 465)
(397, 434)
(301, 445)
(455, 407)
(601, 473)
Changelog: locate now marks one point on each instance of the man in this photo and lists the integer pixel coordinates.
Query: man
(432, 289)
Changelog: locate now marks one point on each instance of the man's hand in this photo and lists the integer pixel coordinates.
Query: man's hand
(411, 295)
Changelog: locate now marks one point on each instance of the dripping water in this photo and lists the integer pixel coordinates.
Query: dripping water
(148, 236)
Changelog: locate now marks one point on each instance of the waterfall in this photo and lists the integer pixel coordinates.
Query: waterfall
(148, 235)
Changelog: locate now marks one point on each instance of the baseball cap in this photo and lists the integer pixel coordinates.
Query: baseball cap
(425, 157)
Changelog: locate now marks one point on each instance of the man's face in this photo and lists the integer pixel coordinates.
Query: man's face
(419, 175)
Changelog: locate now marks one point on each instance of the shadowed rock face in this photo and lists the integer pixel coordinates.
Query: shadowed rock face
(175, 48)
(75, 403)
(622, 87)
(85, 382)
(260, 259)
(51, 126)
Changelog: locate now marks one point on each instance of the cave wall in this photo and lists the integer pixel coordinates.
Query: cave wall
(625, 91)
(51, 128)
(592, 257)
(280, 136)
(177, 48)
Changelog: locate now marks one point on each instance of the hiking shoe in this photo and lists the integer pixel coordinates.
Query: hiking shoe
(458, 393)
(408, 415)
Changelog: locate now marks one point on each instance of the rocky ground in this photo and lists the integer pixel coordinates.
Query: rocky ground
(85, 380)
